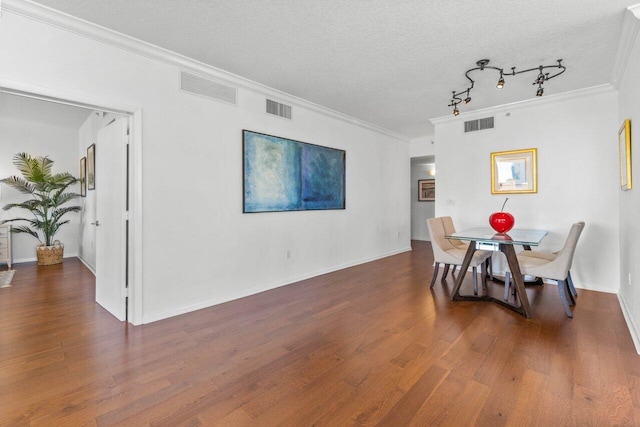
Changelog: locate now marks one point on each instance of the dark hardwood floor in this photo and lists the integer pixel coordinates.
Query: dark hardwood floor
(368, 345)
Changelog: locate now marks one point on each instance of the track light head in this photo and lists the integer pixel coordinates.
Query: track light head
(483, 65)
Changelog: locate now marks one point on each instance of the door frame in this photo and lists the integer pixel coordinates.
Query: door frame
(134, 241)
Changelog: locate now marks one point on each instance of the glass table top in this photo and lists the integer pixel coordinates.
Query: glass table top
(513, 237)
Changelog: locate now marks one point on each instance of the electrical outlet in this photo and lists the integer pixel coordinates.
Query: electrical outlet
(398, 234)
(451, 202)
(288, 254)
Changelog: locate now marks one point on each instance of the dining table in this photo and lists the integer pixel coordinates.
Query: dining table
(486, 239)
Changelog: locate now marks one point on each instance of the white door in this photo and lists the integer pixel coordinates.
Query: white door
(110, 187)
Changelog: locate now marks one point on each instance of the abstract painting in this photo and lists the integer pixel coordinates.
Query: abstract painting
(285, 175)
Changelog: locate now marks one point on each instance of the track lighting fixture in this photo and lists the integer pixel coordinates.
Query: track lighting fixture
(484, 64)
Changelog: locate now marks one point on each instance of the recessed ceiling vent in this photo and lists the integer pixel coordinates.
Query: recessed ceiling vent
(480, 124)
(208, 88)
(278, 109)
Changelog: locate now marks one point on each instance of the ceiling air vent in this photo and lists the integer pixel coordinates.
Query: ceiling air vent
(207, 88)
(278, 109)
(480, 124)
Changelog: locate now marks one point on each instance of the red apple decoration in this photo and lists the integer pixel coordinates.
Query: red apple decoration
(502, 221)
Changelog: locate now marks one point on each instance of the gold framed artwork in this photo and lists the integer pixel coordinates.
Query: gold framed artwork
(624, 147)
(83, 177)
(426, 190)
(514, 172)
(91, 167)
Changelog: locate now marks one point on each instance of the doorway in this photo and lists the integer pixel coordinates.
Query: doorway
(65, 111)
(422, 168)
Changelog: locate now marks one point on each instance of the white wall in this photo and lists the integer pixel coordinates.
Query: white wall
(37, 139)
(87, 135)
(420, 147)
(577, 175)
(420, 211)
(629, 108)
(199, 249)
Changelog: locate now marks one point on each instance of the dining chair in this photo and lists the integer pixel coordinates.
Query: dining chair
(447, 253)
(449, 229)
(554, 266)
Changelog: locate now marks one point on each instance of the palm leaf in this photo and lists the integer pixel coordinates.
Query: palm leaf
(48, 193)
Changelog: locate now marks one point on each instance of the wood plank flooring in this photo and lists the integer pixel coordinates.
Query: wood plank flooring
(368, 345)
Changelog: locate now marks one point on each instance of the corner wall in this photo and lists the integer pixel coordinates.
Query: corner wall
(576, 136)
(629, 201)
(37, 139)
(199, 249)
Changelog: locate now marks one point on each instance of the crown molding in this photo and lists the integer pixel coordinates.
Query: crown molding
(55, 18)
(547, 99)
(628, 36)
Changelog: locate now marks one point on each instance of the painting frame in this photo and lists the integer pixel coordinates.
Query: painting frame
(514, 171)
(282, 174)
(426, 190)
(91, 167)
(624, 149)
(83, 177)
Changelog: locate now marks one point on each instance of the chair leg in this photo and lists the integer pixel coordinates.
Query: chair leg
(436, 267)
(562, 289)
(475, 280)
(572, 300)
(445, 271)
(453, 269)
(483, 275)
(571, 287)
(490, 265)
(507, 279)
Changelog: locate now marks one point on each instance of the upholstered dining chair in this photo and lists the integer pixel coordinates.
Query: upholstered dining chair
(449, 229)
(554, 266)
(445, 252)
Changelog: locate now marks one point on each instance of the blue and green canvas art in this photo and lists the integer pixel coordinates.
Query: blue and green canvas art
(285, 175)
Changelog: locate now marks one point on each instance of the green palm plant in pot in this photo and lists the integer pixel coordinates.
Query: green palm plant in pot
(49, 195)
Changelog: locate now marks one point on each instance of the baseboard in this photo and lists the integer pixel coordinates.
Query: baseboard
(633, 330)
(253, 290)
(86, 264)
(34, 259)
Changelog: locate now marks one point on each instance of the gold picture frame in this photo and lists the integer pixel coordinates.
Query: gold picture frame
(91, 167)
(624, 147)
(514, 172)
(83, 177)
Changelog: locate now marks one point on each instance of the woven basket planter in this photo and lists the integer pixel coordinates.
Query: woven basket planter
(50, 255)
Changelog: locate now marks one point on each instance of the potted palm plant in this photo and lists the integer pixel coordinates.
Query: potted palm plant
(49, 192)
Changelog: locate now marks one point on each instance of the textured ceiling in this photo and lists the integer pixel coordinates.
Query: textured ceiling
(392, 63)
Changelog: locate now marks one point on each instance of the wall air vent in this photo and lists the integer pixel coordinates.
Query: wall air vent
(278, 109)
(480, 124)
(207, 88)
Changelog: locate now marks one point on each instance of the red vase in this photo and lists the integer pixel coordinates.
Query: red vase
(501, 221)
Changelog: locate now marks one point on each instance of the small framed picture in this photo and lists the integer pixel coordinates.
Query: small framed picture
(514, 172)
(83, 177)
(91, 167)
(426, 190)
(624, 145)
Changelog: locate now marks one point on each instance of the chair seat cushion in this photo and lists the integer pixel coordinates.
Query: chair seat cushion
(457, 256)
(537, 254)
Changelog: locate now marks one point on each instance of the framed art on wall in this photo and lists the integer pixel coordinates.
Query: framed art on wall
(426, 190)
(83, 177)
(91, 167)
(514, 172)
(281, 174)
(624, 146)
